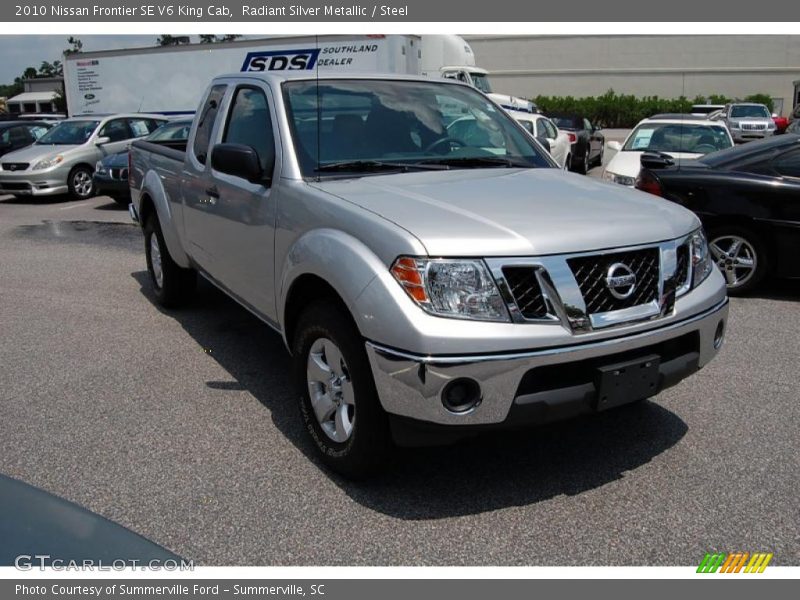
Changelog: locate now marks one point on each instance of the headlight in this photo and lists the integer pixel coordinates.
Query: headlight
(99, 168)
(459, 288)
(733, 125)
(701, 259)
(620, 179)
(48, 162)
(771, 125)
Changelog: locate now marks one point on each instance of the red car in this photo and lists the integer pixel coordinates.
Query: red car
(781, 123)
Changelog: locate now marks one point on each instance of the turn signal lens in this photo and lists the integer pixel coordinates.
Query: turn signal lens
(407, 272)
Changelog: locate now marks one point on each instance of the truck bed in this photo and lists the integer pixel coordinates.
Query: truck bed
(174, 149)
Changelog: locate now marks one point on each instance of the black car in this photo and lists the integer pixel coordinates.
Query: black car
(19, 134)
(748, 198)
(111, 173)
(586, 139)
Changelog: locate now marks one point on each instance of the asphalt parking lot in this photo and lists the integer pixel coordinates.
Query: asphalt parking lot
(183, 426)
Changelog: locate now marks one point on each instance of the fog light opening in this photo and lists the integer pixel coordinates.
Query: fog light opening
(719, 334)
(461, 395)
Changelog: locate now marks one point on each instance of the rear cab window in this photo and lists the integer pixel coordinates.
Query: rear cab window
(205, 122)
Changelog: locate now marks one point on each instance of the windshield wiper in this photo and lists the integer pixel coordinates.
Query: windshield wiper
(360, 166)
(480, 161)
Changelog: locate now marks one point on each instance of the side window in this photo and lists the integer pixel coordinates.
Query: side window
(587, 125)
(528, 125)
(116, 130)
(552, 133)
(788, 163)
(139, 127)
(249, 123)
(19, 136)
(205, 124)
(153, 124)
(540, 129)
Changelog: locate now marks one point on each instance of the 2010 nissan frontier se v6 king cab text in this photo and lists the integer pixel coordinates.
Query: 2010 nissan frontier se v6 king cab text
(432, 272)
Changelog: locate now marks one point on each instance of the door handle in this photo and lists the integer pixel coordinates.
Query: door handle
(213, 192)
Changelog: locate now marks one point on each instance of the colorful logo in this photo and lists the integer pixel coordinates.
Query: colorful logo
(734, 563)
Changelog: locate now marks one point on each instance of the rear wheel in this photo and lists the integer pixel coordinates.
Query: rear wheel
(81, 184)
(338, 400)
(173, 285)
(568, 162)
(741, 256)
(584, 167)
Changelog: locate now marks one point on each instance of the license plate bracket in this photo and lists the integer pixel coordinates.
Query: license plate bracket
(627, 381)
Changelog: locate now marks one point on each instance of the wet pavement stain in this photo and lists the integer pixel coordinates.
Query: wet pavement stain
(127, 236)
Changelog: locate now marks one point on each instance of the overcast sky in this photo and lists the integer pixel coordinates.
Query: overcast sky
(17, 52)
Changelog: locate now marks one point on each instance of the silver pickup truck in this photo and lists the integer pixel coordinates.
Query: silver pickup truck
(428, 286)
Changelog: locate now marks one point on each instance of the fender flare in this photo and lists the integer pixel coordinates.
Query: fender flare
(153, 189)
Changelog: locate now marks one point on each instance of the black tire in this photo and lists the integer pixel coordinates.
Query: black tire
(568, 162)
(80, 183)
(176, 285)
(369, 443)
(717, 238)
(586, 165)
(600, 155)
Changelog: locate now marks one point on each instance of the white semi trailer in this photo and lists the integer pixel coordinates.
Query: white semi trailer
(170, 79)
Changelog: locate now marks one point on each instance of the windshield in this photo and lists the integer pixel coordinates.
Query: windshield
(369, 125)
(749, 110)
(69, 133)
(481, 81)
(565, 122)
(678, 137)
(177, 130)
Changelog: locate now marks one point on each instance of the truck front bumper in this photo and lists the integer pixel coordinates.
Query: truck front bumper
(541, 385)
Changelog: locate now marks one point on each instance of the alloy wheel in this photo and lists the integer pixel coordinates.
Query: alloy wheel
(155, 261)
(735, 257)
(330, 390)
(82, 183)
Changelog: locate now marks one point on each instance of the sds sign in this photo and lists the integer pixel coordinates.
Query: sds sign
(281, 60)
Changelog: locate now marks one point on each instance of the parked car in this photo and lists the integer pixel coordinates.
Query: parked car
(587, 142)
(427, 287)
(747, 121)
(111, 173)
(64, 158)
(678, 136)
(15, 135)
(545, 131)
(781, 123)
(748, 198)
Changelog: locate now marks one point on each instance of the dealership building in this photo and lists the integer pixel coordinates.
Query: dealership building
(644, 65)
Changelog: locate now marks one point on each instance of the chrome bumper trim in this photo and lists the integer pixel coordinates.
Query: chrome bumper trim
(410, 384)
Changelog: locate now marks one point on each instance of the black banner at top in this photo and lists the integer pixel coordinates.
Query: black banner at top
(388, 11)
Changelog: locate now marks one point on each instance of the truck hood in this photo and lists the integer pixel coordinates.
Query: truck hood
(37, 152)
(514, 212)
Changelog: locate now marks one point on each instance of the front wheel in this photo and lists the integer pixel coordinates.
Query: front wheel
(173, 285)
(81, 184)
(741, 256)
(338, 400)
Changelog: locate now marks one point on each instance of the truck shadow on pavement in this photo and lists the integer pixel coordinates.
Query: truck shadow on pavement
(483, 474)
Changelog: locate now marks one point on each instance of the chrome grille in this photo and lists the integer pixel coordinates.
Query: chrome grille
(15, 166)
(591, 271)
(753, 126)
(526, 291)
(682, 269)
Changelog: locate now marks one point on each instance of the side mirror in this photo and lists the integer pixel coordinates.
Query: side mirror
(544, 142)
(102, 140)
(614, 145)
(656, 160)
(241, 161)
